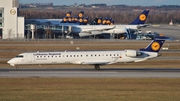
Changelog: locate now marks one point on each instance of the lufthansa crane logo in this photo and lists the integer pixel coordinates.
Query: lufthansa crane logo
(155, 46)
(68, 15)
(80, 20)
(99, 21)
(64, 19)
(80, 15)
(142, 17)
(13, 11)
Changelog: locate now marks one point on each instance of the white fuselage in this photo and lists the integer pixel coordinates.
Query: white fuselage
(80, 57)
(87, 30)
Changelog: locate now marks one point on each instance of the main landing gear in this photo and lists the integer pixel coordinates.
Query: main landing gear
(97, 67)
(17, 68)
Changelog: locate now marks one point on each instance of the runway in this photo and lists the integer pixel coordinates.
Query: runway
(90, 73)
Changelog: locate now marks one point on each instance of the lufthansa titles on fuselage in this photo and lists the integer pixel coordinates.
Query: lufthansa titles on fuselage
(46, 54)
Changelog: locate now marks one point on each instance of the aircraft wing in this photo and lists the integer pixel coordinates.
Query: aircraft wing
(142, 25)
(94, 63)
(99, 29)
(100, 62)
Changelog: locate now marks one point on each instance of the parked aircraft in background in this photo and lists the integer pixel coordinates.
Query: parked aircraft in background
(68, 19)
(101, 21)
(76, 26)
(88, 30)
(96, 58)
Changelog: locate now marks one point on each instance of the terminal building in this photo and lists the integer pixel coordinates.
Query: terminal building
(11, 25)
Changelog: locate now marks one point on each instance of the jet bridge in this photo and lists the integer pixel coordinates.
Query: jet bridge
(63, 31)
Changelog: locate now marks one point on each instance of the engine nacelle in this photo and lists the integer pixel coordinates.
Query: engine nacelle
(83, 34)
(96, 32)
(132, 53)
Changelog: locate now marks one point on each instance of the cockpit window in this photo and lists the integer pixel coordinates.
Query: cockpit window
(19, 56)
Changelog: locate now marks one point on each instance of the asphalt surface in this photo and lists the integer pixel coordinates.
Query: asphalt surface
(90, 73)
(167, 30)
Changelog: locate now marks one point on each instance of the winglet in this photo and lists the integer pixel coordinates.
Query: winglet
(141, 18)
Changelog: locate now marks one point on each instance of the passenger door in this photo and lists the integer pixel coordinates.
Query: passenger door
(30, 57)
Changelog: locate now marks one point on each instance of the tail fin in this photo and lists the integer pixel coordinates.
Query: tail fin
(80, 14)
(154, 46)
(68, 14)
(85, 20)
(66, 17)
(99, 21)
(94, 22)
(141, 18)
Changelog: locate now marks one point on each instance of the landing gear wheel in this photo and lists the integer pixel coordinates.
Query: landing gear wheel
(97, 67)
(17, 68)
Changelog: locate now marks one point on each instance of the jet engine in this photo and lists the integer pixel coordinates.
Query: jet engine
(132, 53)
(83, 34)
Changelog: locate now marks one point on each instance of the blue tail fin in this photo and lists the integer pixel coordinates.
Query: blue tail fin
(154, 46)
(80, 14)
(141, 18)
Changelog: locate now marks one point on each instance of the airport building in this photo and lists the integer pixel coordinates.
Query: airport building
(11, 25)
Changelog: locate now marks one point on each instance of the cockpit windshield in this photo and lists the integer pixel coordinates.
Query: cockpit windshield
(19, 56)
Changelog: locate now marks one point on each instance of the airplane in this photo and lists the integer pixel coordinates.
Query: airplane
(96, 58)
(88, 30)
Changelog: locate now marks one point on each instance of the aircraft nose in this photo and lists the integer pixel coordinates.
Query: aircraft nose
(11, 62)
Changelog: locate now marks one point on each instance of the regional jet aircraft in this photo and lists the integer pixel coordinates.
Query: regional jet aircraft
(96, 58)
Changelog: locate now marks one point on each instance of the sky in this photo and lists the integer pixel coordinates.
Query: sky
(108, 2)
